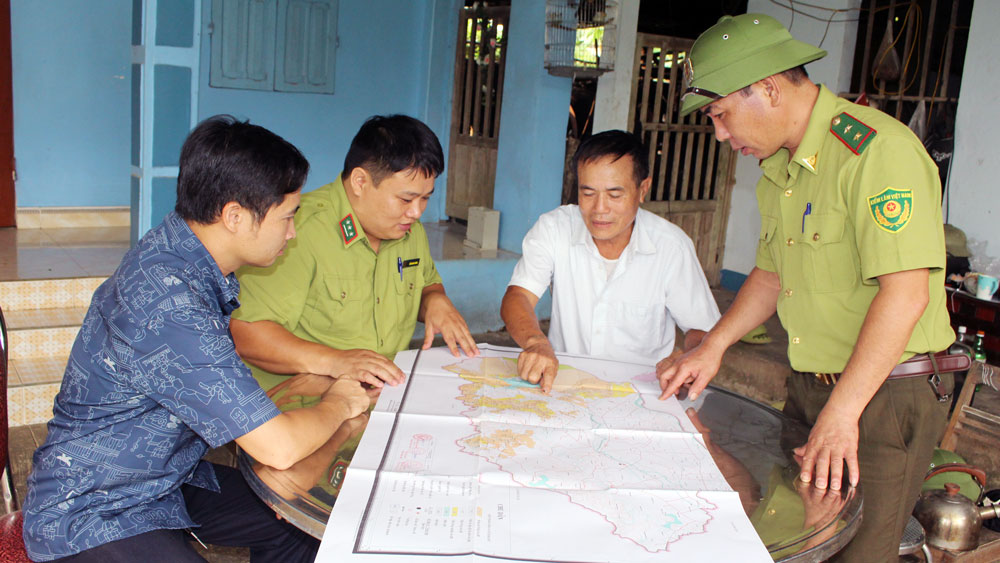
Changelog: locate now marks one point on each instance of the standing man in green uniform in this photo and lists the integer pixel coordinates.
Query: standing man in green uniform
(851, 257)
(347, 294)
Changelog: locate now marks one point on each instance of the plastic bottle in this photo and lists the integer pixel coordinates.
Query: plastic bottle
(979, 353)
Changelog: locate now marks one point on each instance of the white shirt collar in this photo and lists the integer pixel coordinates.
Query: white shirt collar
(639, 242)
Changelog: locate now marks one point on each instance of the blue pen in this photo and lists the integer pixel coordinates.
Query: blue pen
(808, 211)
(399, 266)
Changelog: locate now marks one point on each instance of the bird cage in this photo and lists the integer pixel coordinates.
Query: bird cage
(580, 36)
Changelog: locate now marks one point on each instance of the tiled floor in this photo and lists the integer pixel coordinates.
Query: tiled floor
(32, 254)
(447, 242)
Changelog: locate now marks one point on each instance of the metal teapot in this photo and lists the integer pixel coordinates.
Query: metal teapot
(950, 520)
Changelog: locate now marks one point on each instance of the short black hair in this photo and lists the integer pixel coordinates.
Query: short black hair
(224, 160)
(796, 75)
(387, 144)
(616, 144)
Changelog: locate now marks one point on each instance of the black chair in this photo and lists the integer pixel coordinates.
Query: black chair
(11, 539)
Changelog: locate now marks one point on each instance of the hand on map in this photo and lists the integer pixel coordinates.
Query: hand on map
(833, 441)
(365, 366)
(692, 369)
(441, 317)
(537, 363)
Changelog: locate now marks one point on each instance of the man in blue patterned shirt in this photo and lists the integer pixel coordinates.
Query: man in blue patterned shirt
(154, 380)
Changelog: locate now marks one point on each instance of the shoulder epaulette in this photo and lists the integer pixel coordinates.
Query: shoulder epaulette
(854, 134)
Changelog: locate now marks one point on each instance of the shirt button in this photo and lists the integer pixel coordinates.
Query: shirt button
(343, 294)
(788, 192)
(378, 300)
(789, 242)
(815, 236)
(795, 340)
(411, 285)
(788, 293)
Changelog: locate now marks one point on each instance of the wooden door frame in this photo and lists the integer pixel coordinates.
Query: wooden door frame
(481, 119)
(667, 185)
(8, 201)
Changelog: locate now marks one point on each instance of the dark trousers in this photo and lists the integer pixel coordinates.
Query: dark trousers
(232, 517)
(898, 431)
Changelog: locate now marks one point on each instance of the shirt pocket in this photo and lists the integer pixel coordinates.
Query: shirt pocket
(635, 327)
(829, 261)
(409, 287)
(341, 303)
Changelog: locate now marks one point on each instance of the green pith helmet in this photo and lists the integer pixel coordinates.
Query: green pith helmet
(736, 52)
(968, 486)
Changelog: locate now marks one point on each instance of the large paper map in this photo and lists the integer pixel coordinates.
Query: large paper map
(468, 460)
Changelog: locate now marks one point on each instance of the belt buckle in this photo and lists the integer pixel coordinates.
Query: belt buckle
(826, 378)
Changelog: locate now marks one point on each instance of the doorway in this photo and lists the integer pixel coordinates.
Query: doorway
(692, 172)
(7, 200)
(475, 114)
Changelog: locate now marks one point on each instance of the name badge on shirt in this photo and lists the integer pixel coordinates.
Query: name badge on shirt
(411, 262)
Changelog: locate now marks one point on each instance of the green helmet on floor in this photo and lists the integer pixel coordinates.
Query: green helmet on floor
(736, 52)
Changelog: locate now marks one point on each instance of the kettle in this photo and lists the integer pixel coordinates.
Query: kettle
(950, 520)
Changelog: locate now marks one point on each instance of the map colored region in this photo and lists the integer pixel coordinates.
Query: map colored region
(469, 460)
(595, 442)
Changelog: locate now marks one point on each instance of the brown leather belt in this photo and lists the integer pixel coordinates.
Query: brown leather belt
(917, 366)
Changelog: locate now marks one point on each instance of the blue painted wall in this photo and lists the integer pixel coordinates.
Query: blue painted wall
(383, 66)
(476, 288)
(72, 112)
(71, 80)
(439, 82)
(532, 129)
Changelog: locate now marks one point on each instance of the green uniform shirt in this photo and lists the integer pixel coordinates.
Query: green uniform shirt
(845, 209)
(331, 287)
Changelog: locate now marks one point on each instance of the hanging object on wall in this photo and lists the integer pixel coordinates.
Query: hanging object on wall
(887, 65)
(580, 36)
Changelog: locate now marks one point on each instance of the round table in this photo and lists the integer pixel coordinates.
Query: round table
(750, 442)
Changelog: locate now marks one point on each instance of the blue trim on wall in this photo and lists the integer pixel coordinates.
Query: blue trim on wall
(732, 281)
(175, 23)
(136, 120)
(171, 113)
(163, 199)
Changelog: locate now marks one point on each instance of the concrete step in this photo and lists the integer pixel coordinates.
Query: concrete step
(30, 295)
(46, 342)
(32, 385)
(43, 318)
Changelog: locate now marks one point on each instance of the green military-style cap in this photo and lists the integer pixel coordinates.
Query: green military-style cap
(736, 52)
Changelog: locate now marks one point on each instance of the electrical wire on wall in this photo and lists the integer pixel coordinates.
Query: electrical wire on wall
(834, 12)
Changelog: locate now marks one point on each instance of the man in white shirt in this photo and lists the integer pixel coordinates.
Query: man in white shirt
(622, 278)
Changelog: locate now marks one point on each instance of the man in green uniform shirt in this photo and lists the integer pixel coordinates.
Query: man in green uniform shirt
(851, 257)
(347, 294)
